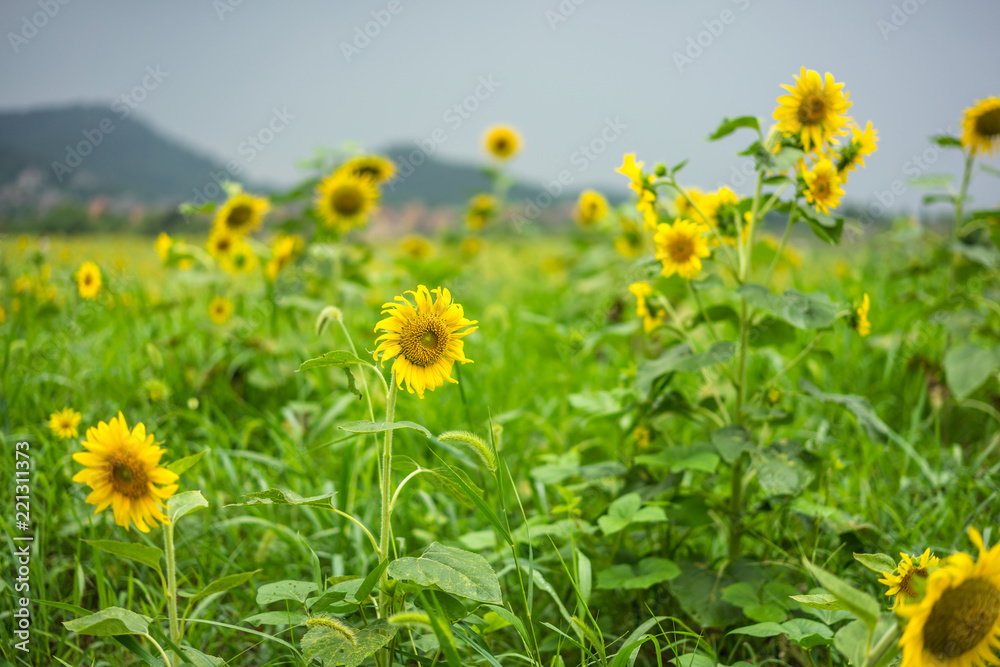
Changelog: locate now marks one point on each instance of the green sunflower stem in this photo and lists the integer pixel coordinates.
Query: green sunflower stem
(390, 414)
(888, 642)
(959, 210)
(168, 544)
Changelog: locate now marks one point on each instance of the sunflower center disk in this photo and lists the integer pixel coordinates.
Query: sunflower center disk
(128, 477)
(238, 217)
(347, 201)
(424, 340)
(812, 110)
(989, 123)
(962, 618)
(680, 250)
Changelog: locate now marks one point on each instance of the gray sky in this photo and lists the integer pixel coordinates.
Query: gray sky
(911, 67)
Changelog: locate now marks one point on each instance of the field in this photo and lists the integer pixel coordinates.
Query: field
(649, 461)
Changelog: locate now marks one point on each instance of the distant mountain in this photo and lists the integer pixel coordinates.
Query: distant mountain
(90, 150)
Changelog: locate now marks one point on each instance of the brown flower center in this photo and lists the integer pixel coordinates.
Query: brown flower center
(88, 279)
(821, 188)
(239, 217)
(988, 124)
(424, 339)
(681, 250)
(223, 245)
(812, 110)
(962, 618)
(128, 477)
(347, 200)
(906, 582)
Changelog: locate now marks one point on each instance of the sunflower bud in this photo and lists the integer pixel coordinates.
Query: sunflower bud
(328, 315)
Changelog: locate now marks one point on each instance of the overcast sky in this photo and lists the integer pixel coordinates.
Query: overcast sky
(911, 67)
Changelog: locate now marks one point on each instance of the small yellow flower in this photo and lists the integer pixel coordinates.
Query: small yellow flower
(375, 167)
(220, 242)
(88, 280)
(591, 207)
(481, 210)
(642, 436)
(345, 200)
(681, 247)
(647, 206)
(502, 142)
(900, 580)
(633, 170)
(163, 245)
(239, 259)
(823, 188)
(814, 110)
(981, 127)
(122, 468)
(862, 143)
(284, 250)
(242, 213)
(24, 284)
(424, 338)
(860, 319)
(64, 423)
(220, 310)
(652, 317)
(416, 247)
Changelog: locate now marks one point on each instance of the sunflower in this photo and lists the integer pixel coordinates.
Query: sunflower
(859, 318)
(284, 249)
(823, 186)
(64, 422)
(633, 170)
(416, 247)
(163, 245)
(242, 213)
(957, 623)
(239, 259)
(481, 210)
(981, 127)
(900, 580)
(630, 242)
(705, 202)
(591, 207)
(123, 471)
(862, 143)
(424, 337)
(814, 109)
(220, 242)
(502, 142)
(220, 310)
(345, 200)
(681, 247)
(375, 167)
(652, 318)
(88, 280)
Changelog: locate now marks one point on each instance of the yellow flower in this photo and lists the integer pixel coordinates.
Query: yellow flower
(424, 338)
(591, 207)
(814, 109)
(862, 143)
(88, 280)
(3, 315)
(345, 200)
(652, 317)
(123, 471)
(706, 203)
(23, 284)
(647, 206)
(239, 259)
(375, 167)
(502, 142)
(642, 436)
(681, 247)
(220, 242)
(416, 247)
(981, 127)
(64, 422)
(900, 580)
(163, 245)
(470, 247)
(860, 319)
(957, 622)
(242, 213)
(633, 170)
(481, 210)
(823, 188)
(220, 310)
(630, 242)
(284, 249)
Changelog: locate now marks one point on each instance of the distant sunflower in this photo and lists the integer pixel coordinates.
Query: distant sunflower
(651, 318)
(481, 210)
(681, 247)
(814, 110)
(345, 200)
(981, 127)
(502, 142)
(123, 471)
(376, 167)
(823, 188)
(703, 201)
(862, 143)
(424, 337)
(163, 245)
(220, 242)
(285, 248)
(957, 622)
(416, 247)
(88, 280)
(239, 259)
(220, 310)
(242, 213)
(859, 319)
(591, 207)
(64, 423)
(901, 580)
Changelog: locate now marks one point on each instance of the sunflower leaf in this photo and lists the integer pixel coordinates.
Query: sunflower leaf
(730, 125)
(140, 553)
(183, 504)
(338, 358)
(877, 563)
(182, 465)
(109, 622)
(862, 605)
(380, 427)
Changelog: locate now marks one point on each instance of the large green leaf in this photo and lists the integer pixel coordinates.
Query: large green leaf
(224, 584)
(333, 647)
(182, 465)
(801, 310)
(183, 504)
(279, 497)
(863, 605)
(680, 358)
(968, 366)
(451, 570)
(380, 427)
(730, 125)
(731, 441)
(140, 553)
(109, 622)
(878, 563)
(648, 572)
(627, 510)
(285, 590)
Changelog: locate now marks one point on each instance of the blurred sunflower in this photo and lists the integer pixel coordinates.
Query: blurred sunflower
(481, 211)
(424, 338)
(652, 318)
(375, 167)
(284, 250)
(901, 580)
(681, 247)
(823, 188)
(814, 109)
(123, 471)
(242, 213)
(957, 622)
(345, 200)
(88, 280)
(416, 247)
(862, 143)
(64, 423)
(220, 242)
(981, 127)
(591, 207)
(630, 242)
(859, 318)
(163, 245)
(220, 310)
(502, 142)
